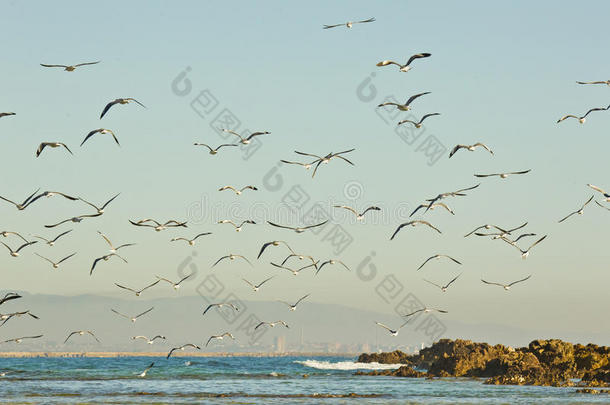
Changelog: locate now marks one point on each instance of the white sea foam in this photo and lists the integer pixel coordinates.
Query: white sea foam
(347, 365)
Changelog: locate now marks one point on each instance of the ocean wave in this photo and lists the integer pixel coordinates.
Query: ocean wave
(346, 365)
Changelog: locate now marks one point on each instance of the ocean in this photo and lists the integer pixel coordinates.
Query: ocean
(248, 380)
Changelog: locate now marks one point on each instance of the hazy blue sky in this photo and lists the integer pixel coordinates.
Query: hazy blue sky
(501, 73)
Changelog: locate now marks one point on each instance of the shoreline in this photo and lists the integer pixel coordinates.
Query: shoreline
(7, 355)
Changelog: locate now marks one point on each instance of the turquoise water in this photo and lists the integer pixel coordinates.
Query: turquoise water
(246, 380)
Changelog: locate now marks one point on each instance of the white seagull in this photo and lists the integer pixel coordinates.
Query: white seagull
(55, 264)
(119, 101)
(349, 24)
(157, 226)
(20, 339)
(331, 262)
(507, 286)
(359, 216)
(405, 67)
(100, 131)
(393, 332)
(293, 271)
(238, 191)
(293, 307)
(25, 202)
(191, 242)
(419, 123)
(104, 258)
(219, 337)
(271, 324)
(100, 210)
(15, 253)
(503, 175)
(247, 139)
(112, 248)
(51, 242)
(176, 285)
(579, 211)
(426, 310)
(51, 145)
(444, 287)
(458, 193)
(256, 287)
(237, 227)
(181, 348)
(414, 223)
(525, 253)
(81, 333)
(148, 341)
(138, 292)
(272, 243)
(431, 207)
(6, 114)
(607, 82)
(438, 256)
(582, 119)
(470, 148)
(143, 373)
(297, 229)
(220, 305)
(215, 150)
(231, 257)
(70, 68)
(407, 105)
(133, 319)
(606, 195)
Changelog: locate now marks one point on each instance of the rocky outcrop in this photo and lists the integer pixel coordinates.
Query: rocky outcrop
(544, 362)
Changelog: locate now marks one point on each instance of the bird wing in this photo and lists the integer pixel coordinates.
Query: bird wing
(301, 299)
(219, 260)
(203, 144)
(347, 208)
(125, 288)
(364, 21)
(566, 217)
(482, 145)
(69, 336)
(279, 226)
(521, 172)
(106, 239)
(87, 63)
(252, 135)
(89, 135)
(110, 104)
(316, 225)
(417, 56)
(325, 27)
(410, 100)
(150, 285)
(603, 206)
(588, 201)
(455, 278)
(399, 228)
(428, 281)
(145, 312)
(60, 235)
(118, 313)
(519, 281)
(428, 115)
(566, 117)
(491, 283)
(133, 99)
(384, 326)
(388, 62)
(455, 149)
(427, 260)
(109, 201)
(66, 258)
(590, 185)
(61, 66)
(430, 225)
(537, 242)
(594, 109)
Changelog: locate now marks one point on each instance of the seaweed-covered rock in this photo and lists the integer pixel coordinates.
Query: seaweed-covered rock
(403, 371)
(395, 357)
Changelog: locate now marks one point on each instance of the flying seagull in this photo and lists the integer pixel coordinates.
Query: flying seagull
(220, 305)
(236, 191)
(246, 140)
(272, 243)
(51, 242)
(237, 227)
(133, 319)
(81, 333)
(256, 287)
(181, 348)
(407, 105)
(307, 166)
(603, 206)
(582, 119)
(297, 229)
(8, 297)
(73, 219)
(606, 195)
(607, 82)
(157, 226)
(414, 223)
(25, 202)
(20, 339)
(293, 271)
(100, 210)
(470, 148)
(6, 317)
(458, 193)
(359, 216)
(143, 373)
(119, 101)
(100, 131)
(393, 332)
(214, 151)
(51, 145)
(507, 286)
(444, 287)
(7, 233)
(112, 248)
(191, 242)
(231, 256)
(426, 310)
(438, 256)
(419, 123)
(175, 285)
(15, 253)
(104, 258)
(138, 292)
(496, 235)
(148, 341)
(525, 253)
(301, 257)
(70, 68)
(325, 159)
(293, 307)
(348, 24)
(219, 337)
(55, 264)
(49, 194)
(406, 67)
(331, 262)
(431, 207)
(6, 114)
(503, 175)
(271, 324)
(579, 211)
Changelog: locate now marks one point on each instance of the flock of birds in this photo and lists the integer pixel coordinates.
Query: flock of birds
(509, 236)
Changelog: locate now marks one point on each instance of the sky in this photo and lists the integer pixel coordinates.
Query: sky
(499, 73)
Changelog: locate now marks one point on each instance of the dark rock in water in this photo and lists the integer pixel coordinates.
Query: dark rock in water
(403, 371)
(544, 362)
(592, 391)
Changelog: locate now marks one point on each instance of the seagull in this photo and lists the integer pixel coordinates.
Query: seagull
(607, 82)
(49, 194)
(457, 193)
(301, 257)
(503, 175)
(413, 223)
(73, 219)
(437, 256)
(81, 333)
(293, 307)
(52, 241)
(307, 166)
(405, 67)
(406, 106)
(419, 123)
(55, 265)
(9, 296)
(470, 148)
(71, 68)
(101, 131)
(182, 349)
(271, 324)
(6, 317)
(444, 287)
(392, 331)
(331, 261)
(524, 235)
(525, 253)
(15, 253)
(507, 286)
(214, 151)
(7, 233)
(112, 248)
(273, 243)
(579, 211)
(51, 145)
(104, 258)
(6, 114)
(431, 207)
(496, 235)
(134, 318)
(175, 285)
(603, 206)
(149, 341)
(426, 310)
(143, 373)
(238, 192)
(359, 216)
(100, 210)
(325, 159)
(158, 226)
(297, 229)
(231, 256)
(220, 305)
(486, 226)
(246, 140)
(348, 24)
(24, 204)
(237, 227)
(219, 337)
(138, 292)
(20, 339)
(582, 119)
(191, 242)
(294, 272)
(118, 101)
(606, 195)
(256, 287)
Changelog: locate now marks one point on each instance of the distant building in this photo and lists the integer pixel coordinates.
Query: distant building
(280, 344)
